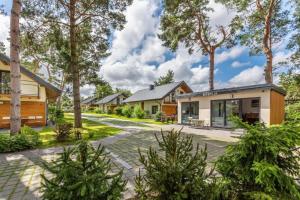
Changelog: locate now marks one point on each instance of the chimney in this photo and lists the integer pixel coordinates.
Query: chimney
(151, 87)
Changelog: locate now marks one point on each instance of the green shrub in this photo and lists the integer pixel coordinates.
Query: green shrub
(82, 172)
(293, 112)
(27, 139)
(262, 165)
(55, 114)
(175, 171)
(138, 112)
(157, 116)
(147, 114)
(77, 133)
(118, 110)
(91, 135)
(98, 111)
(127, 111)
(63, 130)
(109, 111)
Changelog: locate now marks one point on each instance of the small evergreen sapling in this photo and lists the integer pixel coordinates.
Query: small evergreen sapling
(175, 171)
(82, 172)
(263, 164)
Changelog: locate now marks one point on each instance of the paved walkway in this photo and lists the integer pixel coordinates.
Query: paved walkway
(20, 172)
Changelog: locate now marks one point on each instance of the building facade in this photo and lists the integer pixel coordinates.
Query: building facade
(257, 103)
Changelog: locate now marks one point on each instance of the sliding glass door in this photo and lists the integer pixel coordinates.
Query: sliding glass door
(189, 109)
(217, 113)
(221, 110)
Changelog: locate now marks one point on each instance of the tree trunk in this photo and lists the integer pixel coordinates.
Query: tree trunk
(211, 68)
(74, 67)
(15, 86)
(269, 67)
(62, 87)
(267, 44)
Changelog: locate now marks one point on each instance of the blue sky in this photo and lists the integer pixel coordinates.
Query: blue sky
(138, 57)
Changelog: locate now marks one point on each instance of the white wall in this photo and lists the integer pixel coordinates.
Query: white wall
(204, 103)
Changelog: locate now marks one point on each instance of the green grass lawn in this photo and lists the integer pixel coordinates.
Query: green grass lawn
(149, 121)
(47, 135)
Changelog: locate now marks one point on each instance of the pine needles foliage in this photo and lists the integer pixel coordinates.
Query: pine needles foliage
(176, 170)
(262, 165)
(82, 172)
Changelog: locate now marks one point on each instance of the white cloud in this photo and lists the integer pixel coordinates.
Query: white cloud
(250, 76)
(4, 31)
(237, 64)
(229, 54)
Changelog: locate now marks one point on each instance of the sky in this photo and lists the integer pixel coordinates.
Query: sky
(138, 57)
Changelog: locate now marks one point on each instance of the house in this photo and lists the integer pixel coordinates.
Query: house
(108, 103)
(160, 98)
(89, 102)
(255, 103)
(35, 95)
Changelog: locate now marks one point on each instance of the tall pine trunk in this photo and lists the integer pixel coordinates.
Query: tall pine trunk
(269, 67)
(211, 68)
(267, 44)
(15, 75)
(74, 67)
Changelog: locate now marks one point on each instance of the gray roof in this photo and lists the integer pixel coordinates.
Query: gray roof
(88, 100)
(108, 99)
(234, 89)
(28, 73)
(159, 92)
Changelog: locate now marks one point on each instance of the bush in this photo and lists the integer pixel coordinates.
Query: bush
(157, 116)
(63, 130)
(55, 114)
(91, 135)
(82, 172)
(293, 112)
(77, 133)
(118, 110)
(138, 112)
(127, 111)
(27, 139)
(262, 165)
(176, 171)
(98, 111)
(109, 111)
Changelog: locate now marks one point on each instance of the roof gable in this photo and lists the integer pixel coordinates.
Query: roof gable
(158, 92)
(108, 99)
(52, 90)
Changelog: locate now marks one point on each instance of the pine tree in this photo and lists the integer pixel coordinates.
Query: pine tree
(82, 172)
(168, 78)
(175, 171)
(263, 164)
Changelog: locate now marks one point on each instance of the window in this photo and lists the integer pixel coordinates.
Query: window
(154, 109)
(4, 82)
(255, 103)
(173, 97)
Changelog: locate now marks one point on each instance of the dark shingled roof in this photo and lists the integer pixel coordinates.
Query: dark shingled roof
(88, 100)
(28, 73)
(158, 92)
(233, 90)
(108, 99)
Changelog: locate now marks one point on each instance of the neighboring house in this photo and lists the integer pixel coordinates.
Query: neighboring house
(110, 102)
(89, 102)
(35, 95)
(255, 103)
(160, 98)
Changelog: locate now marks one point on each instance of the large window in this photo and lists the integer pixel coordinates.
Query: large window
(4, 82)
